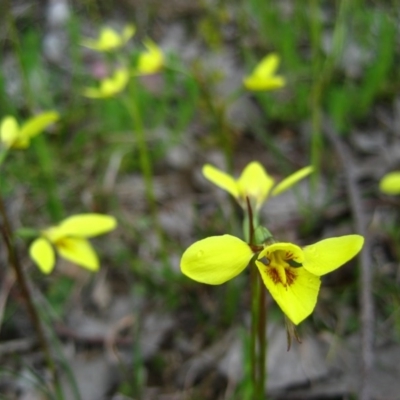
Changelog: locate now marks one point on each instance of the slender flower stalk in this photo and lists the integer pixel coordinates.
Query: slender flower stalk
(144, 161)
(258, 340)
(19, 137)
(15, 264)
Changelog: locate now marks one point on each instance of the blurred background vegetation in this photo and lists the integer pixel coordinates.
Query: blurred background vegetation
(340, 59)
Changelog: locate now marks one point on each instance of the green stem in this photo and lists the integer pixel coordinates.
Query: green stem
(3, 155)
(15, 264)
(262, 338)
(258, 314)
(322, 71)
(46, 163)
(145, 163)
(254, 315)
(43, 154)
(218, 112)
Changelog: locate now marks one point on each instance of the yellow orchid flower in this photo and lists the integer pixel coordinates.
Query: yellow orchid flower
(290, 273)
(16, 137)
(69, 239)
(109, 39)
(109, 87)
(150, 61)
(254, 183)
(390, 183)
(263, 77)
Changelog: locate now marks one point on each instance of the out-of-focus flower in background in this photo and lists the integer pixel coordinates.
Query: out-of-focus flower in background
(18, 137)
(263, 77)
(110, 86)
(69, 238)
(109, 39)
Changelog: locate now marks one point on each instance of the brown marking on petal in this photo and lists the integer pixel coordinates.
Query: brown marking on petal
(64, 244)
(273, 274)
(289, 255)
(290, 276)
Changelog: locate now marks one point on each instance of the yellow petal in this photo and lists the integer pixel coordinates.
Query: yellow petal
(216, 259)
(78, 251)
(292, 180)
(390, 183)
(115, 84)
(297, 299)
(152, 60)
(263, 76)
(329, 254)
(221, 179)
(110, 86)
(267, 66)
(87, 225)
(255, 183)
(9, 131)
(42, 254)
(256, 83)
(35, 125)
(108, 40)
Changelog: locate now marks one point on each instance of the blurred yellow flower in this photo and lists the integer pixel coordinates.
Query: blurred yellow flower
(150, 61)
(109, 87)
(109, 39)
(254, 183)
(290, 273)
(390, 183)
(69, 239)
(16, 137)
(263, 77)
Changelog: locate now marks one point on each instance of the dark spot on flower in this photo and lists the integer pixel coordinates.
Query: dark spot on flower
(273, 274)
(264, 260)
(290, 276)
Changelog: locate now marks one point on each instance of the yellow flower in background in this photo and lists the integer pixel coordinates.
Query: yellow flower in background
(390, 183)
(290, 273)
(150, 61)
(109, 39)
(254, 183)
(263, 77)
(70, 240)
(109, 87)
(18, 137)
